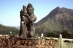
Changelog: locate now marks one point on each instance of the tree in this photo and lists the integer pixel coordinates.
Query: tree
(52, 34)
(66, 34)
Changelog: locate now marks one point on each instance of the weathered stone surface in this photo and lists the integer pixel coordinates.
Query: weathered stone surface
(27, 43)
(28, 18)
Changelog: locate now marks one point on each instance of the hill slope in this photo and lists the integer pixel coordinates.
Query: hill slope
(7, 29)
(57, 20)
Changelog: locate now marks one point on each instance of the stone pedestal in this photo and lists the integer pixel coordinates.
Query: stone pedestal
(27, 43)
(34, 43)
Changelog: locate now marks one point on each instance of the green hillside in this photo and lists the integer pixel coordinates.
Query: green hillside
(58, 20)
(7, 29)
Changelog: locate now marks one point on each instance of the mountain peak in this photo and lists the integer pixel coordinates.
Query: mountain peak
(61, 11)
(57, 7)
(57, 20)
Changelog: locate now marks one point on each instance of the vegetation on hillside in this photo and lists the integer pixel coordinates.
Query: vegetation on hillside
(66, 34)
(56, 21)
(7, 30)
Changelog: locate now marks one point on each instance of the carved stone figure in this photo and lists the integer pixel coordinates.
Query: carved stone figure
(28, 18)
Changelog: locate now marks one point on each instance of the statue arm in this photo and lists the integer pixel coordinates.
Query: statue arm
(34, 18)
(31, 19)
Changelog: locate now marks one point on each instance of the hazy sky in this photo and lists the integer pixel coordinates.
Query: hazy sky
(10, 9)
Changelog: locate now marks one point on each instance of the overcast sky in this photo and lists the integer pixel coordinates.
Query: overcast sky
(10, 9)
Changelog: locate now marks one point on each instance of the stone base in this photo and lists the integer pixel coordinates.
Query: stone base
(29, 43)
(35, 43)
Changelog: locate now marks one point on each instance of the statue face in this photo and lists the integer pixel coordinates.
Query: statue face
(30, 11)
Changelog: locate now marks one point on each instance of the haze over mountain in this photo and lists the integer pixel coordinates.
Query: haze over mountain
(58, 20)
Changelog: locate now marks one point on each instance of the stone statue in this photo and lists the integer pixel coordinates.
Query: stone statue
(28, 18)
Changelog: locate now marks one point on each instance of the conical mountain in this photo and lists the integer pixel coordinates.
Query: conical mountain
(58, 20)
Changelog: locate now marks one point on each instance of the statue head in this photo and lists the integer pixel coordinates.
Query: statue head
(30, 9)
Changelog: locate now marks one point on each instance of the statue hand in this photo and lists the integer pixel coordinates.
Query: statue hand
(21, 14)
(26, 15)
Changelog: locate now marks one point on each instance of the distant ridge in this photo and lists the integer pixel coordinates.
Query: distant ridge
(57, 20)
(6, 30)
